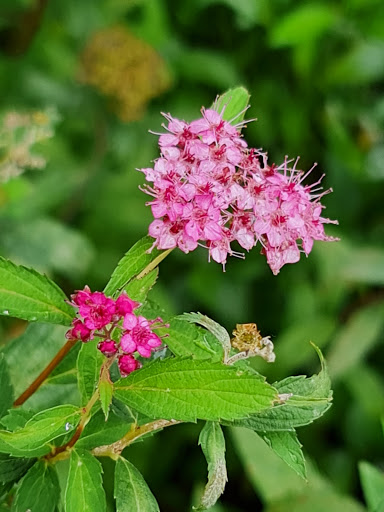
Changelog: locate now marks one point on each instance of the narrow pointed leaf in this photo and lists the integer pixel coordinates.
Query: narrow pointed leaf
(188, 390)
(287, 446)
(105, 394)
(131, 490)
(33, 439)
(6, 396)
(134, 261)
(84, 491)
(212, 443)
(24, 293)
(234, 102)
(89, 362)
(39, 490)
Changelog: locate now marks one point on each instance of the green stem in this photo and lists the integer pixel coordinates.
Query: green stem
(154, 263)
(114, 450)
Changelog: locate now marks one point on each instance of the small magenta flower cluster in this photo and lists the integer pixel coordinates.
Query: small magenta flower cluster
(210, 189)
(114, 319)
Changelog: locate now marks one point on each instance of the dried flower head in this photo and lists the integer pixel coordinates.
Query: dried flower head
(247, 339)
(125, 69)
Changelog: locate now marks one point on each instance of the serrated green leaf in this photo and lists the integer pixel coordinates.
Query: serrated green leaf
(213, 327)
(12, 468)
(131, 490)
(84, 490)
(311, 398)
(186, 339)
(39, 490)
(138, 289)
(287, 446)
(7, 396)
(134, 261)
(99, 432)
(26, 294)
(105, 394)
(89, 362)
(234, 102)
(32, 439)
(372, 482)
(187, 390)
(212, 443)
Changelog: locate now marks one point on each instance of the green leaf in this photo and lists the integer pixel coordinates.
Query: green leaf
(281, 488)
(12, 468)
(354, 340)
(372, 482)
(186, 339)
(310, 399)
(32, 439)
(105, 392)
(24, 293)
(99, 432)
(6, 398)
(134, 261)
(28, 354)
(39, 490)
(131, 490)
(235, 103)
(89, 362)
(84, 490)
(44, 243)
(287, 446)
(138, 289)
(212, 443)
(303, 25)
(187, 390)
(213, 327)
(16, 418)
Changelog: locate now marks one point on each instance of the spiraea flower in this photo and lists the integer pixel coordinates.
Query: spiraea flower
(122, 334)
(210, 189)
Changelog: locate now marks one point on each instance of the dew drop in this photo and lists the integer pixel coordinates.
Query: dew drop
(33, 319)
(68, 426)
(5, 312)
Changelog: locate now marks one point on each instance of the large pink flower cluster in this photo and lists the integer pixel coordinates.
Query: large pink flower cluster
(210, 189)
(110, 320)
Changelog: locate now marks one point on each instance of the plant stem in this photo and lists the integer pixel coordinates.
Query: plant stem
(44, 374)
(85, 416)
(154, 263)
(114, 450)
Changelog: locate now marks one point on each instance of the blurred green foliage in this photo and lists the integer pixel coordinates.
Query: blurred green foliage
(315, 71)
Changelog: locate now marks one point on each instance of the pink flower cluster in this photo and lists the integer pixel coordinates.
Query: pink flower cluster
(111, 320)
(210, 189)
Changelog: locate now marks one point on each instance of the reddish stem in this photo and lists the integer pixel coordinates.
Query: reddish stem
(45, 373)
